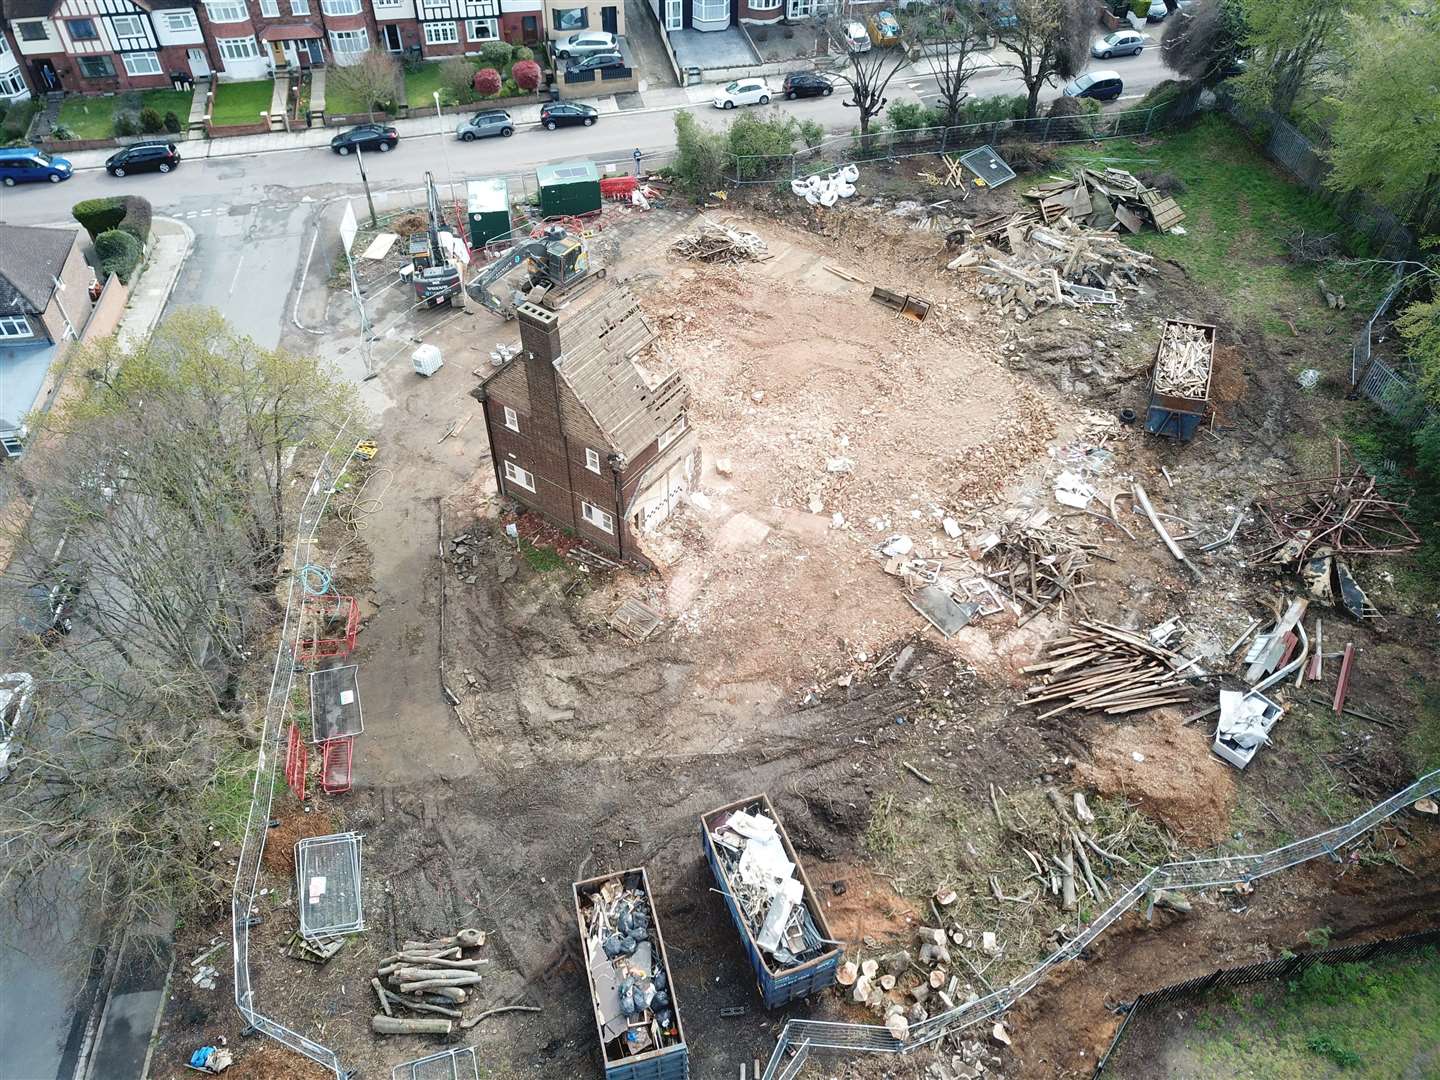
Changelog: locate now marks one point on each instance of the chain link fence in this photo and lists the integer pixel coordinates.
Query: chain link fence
(332, 464)
(805, 1036)
(1373, 378)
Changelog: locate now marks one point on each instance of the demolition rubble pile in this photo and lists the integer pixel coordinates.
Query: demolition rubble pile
(1036, 561)
(1102, 667)
(627, 970)
(716, 243)
(430, 977)
(1182, 362)
(1106, 201)
(762, 880)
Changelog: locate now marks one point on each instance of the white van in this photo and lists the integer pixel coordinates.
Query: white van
(857, 38)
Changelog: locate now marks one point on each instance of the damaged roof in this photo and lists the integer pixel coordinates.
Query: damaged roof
(596, 350)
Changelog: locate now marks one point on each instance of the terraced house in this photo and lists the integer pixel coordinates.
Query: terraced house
(95, 46)
(14, 86)
(438, 28)
(254, 38)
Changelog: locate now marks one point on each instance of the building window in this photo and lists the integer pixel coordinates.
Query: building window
(674, 20)
(676, 430)
(340, 7)
(711, 11)
(226, 11)
(96, 67)
(349, 45)
(483, 29)
(4, 45)
(387, 3)
(33, 31)
(597, 517)
(82, 29)
(511, 420)
(299, 7)
(13, 326)
(127, 26)
(240, 48)
(141, 63)
(441, 33)
(270, 8)
(575, 18)
(517, 475)
(592, 461)
(179, 21)
(12, 84)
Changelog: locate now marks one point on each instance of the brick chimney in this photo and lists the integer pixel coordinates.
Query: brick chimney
(540, 340)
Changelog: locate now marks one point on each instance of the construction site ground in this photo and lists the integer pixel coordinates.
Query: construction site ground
(789, 662)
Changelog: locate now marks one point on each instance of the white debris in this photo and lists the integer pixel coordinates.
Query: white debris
(897, 545)
(952, 528)
(839, 465)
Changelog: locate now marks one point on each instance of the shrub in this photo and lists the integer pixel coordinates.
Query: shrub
(1141, 8)
(527, 75)
(11, 132)
(1074, 116)
(125, 125)
(457, 79)
(99, 215)
(509, 88)
(911, 115)
(1030, 156)
(812, 132)
(172, 123)
(1162, 93)
(495, 54)
(758, 145)
(61, 132)
(699, 157)
(151, 122)
(118, 253)
(136, 221)
(991, 110)
(521, 53)
(487, 82)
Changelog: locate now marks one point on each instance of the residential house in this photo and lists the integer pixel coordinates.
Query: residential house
(44, 305)
(565, 17)
(99, 46)
(579, 433)
(706, 15)
(437, 28)
(14, 87)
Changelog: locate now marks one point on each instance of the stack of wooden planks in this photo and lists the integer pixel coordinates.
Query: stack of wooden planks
(1102, 667)
(1108, 199)
(1037, 563)
(1182, 363)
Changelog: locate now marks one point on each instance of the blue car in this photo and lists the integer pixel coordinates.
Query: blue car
(18, 165)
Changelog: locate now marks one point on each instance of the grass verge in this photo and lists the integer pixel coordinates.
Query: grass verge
(94, 117)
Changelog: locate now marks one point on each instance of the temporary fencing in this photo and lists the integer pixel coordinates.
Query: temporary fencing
(1376, 380)
(805, 1036)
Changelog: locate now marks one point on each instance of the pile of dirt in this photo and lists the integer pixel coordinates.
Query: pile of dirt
(296, 824)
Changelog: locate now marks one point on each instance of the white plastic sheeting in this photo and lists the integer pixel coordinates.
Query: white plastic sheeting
(827, 190)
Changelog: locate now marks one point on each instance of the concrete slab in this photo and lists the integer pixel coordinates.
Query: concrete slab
(712, 49)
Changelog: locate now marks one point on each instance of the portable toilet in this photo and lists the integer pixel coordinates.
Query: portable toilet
(571, 188)
(488, 209)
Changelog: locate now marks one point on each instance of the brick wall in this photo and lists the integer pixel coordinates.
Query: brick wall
(106, 314)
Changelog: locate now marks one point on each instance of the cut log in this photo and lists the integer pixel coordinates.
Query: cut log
(397, 1025)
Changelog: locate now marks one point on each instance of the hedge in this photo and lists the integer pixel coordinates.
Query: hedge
(118, 253)
(137, 218)
(128, 212)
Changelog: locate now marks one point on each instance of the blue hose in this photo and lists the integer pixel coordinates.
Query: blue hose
(315, 580)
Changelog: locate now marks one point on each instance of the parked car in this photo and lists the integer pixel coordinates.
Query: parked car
(26, 164)
(585, 43)
(567, 113)
(884, 28)
(485, 123)
(1120, 43)
(857, 38)
(743, 92)
(365, 137)
(1157, 11)
(807, 84)
(1100, 85)
(143, 157)
(594, 61)
(14, 714)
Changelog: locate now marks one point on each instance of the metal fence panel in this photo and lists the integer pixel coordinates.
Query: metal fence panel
(456, 1064)
(327, 874)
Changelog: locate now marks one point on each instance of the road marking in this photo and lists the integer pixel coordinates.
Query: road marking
(207, 211)
(236, 279)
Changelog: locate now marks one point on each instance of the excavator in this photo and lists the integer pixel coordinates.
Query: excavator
(550, 265)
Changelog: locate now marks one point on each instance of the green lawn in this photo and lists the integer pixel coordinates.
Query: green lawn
(94, 117)
(421, 84)
(242, 102)
(1239, 209)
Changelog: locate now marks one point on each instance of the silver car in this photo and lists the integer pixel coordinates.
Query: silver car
(1120, 43)
(485, 123)
(586, 42)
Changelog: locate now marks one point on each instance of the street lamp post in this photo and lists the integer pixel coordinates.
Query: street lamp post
(369, 199)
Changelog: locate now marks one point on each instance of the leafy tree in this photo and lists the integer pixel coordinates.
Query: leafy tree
(700, 157)
(1385, 139)
(1206, 42)
(527, 75)
(376, 80)
(757, 145)
(457, 80)
(487, 82)
(1295, 42)
(1050, 38)
(812, 132)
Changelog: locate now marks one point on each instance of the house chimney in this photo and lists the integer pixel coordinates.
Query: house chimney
(540, 340)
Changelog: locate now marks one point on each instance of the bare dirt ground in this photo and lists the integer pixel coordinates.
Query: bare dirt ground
(780, 667)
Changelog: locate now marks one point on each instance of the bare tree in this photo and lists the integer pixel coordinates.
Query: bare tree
(951, 33)
(867, 73)
(375, 81)
(1048, 38)
(1205, 43)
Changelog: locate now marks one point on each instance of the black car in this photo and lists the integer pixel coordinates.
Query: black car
(365, 137)
(807, 84)
(593, 61)
(562, 113)
(143, 157)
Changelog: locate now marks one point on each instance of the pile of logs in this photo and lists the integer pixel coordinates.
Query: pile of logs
(1038, 564)
(1028, 266)
(1098, 666)
(1107, 200)
(431, 977)
(716, 243)
(1182, 363)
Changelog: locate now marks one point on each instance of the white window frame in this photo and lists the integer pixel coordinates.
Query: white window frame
(12, 82)
(592, 461)
(386, 4)
(270, 9)
(441, 33)
(674, 432)
(337, 36)
(299, 7)
(764, 5)
(131, 59)
(512, 421)
(340, 7)
(593, 515)
(240, 48)
(4, 45)
(134, 21)
(15, 326)
(492, 27)
(178, 22)
(674, 14)
(710, 11)
(584, 23)
(222, 12)
(523, 477)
